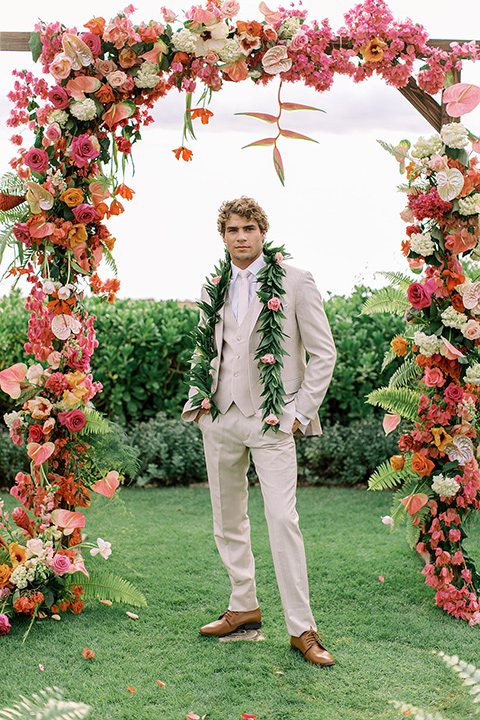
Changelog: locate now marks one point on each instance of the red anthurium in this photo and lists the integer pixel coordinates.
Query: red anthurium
(413, 503)
(108, 485)
(461, 99)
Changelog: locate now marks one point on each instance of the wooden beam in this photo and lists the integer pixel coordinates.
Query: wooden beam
(426, 105)
(15, 41)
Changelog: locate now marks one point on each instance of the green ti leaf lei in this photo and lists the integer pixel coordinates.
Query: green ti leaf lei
(270, 279)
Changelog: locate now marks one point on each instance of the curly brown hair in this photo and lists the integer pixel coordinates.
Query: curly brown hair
(245, 207)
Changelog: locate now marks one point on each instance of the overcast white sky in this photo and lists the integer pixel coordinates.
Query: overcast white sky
(338, 211)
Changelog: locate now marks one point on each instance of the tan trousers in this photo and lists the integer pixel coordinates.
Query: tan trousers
(229, 441)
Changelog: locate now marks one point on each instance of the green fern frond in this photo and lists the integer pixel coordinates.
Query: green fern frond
(48, 705)
(387, 300)
(109, 259)
(405, 374)
(97, 424)
(389, 357)
(106, 586)
(401, 401)
(386, 478)
(397, 278)
(396, 150)
(10, 183)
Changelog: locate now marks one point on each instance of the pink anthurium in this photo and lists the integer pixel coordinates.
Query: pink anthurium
(390, 422)
(108, 485)
(461, 99)
(40, 452)
(68, 520)
(449, 351)
(413, 503)
(155, 54)
(11, 379)
(119, 111)
(82, 84)
(270, 16)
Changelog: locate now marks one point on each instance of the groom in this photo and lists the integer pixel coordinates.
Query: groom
(236, 434)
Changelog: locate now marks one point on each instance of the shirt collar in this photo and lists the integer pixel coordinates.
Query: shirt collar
(254, 268)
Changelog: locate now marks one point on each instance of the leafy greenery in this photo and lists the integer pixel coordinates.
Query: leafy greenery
(386, 478)
(400, 400)
(48, 704)
(106, 586)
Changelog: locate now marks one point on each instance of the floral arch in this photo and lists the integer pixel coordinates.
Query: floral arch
(85, 118)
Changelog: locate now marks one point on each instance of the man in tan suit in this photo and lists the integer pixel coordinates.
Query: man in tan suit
(238, 432)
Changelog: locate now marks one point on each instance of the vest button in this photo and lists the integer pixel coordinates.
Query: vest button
(239, 338)
(235, 374)
(238, 357)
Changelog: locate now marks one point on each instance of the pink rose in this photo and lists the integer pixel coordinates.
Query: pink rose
(274, 304)
(230, 8)
(453, 393)
(22, 234)
(211, 57)
(36, 160)
(85, 213)
(53, 132)
(433, 377)
(418, 296)
(83, 150)
(60, 67)
(128, 85)
(206, 405)
(117, 78)
(272, 419)
(4, 624)
(93, 42)
(105, 67)
(298, 41)
(74, 420)
(59, 98)
(437, 162)
(61, 564)
(268, 359)
(471, 330)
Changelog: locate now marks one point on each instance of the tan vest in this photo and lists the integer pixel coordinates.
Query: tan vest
(233, 380)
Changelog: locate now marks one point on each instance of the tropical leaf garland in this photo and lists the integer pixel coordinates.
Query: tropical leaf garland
(107, 586)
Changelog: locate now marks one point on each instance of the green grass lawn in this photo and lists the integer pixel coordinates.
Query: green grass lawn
(381, 634)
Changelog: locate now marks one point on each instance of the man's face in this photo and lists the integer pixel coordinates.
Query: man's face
(244, 240)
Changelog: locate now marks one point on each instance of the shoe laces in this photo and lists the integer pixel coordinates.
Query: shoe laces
(228, 615)
(311, 637)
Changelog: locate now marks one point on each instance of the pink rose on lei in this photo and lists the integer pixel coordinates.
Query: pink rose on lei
(206, 405)
(274, 304)
(74, 420)
(61, 564)
(272, 419)
(279, 258)
(433, 377)
(83, 150)
(268, 359)
(4, 624)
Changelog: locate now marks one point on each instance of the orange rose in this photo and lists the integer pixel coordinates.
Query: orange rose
(72, 197)
(77, 235)
(399, 345)
(397, 462)
(5, 572)
(96, 26)
(422, 465)
(127, 58)
(105, 94)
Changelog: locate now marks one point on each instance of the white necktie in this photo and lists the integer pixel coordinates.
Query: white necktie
(243, 295)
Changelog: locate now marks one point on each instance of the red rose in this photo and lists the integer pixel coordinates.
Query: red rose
(453, 393)
(74, 420)
(405, 443)
(36, 160)
(35, 433)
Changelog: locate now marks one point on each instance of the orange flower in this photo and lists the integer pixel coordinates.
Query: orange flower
(441, 438)
(202, 113)
(405, 247)
(397, 462)
(24, 605)
(184, 152)
(88, 654)
(124, 191)
(105, 94)
(18, 554)
(116, 208)
(399, 346)
(453, 279)
(72, 197)
(77, 607)
(422, 465)
(77, 235)
(131, 689)
(373, 52)
(109, 242)
(96, 26)
(5, 572)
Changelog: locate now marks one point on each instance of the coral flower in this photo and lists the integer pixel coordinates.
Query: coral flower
(184, 153)
(18, 554)
(124, 191)
(373, 52)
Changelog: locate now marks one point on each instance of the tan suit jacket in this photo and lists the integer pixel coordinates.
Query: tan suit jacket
(307, 330)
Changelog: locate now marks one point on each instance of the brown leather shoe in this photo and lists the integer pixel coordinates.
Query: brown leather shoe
(231, 621)
(312, 649)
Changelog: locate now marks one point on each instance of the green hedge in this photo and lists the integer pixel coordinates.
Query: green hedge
(145, 347)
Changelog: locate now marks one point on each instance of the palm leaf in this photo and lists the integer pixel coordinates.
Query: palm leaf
(107, 586)
(48, 705)
(401, 401)
(385, 477)
(405, 374)
(96, 423)
(387, 300)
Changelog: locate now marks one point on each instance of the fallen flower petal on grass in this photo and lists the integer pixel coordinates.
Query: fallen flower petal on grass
(161, 683)
(193, 716)
(381, 578)
(132, 615)
(106, 602)
(88, 654)
(246, 716)
(42, 667)
(56, 617)
(131, 689)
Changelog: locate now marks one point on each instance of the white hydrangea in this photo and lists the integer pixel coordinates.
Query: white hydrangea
(147, 75)
(289, 27)
(452, 318)
(84, 109)
(10, 418)
(19, 577)
(424, 147)
(185, 41)
(445, 487)
(231, 51)
(469, 205)
(473, 374)
(428, 344)
(422, 244)
(58, 116)
(455, 135)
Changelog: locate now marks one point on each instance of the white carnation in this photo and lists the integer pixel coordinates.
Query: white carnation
(147, 75)
(454, 135)
(422, 244)
(452, 318)
(473, 374)
(231, 51)
(184, 41)
(58, 116)
(84, 109)
(445, 487)
(424, 147)
(428, 344)
(469, 205)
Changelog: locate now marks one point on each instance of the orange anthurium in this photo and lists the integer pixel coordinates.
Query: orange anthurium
(124, 191)
(108, 485)
(413, 503)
